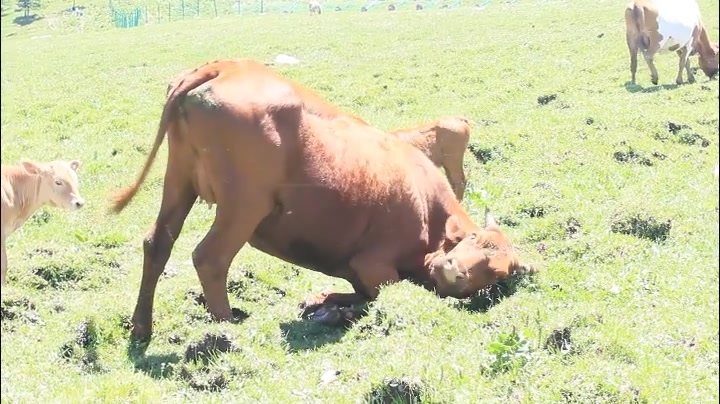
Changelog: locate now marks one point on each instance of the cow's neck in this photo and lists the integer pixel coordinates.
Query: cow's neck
(702, 42)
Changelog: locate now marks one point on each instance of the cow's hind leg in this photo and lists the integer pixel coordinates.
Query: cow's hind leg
(178, 198)
(237, 215)
(632, 40)
(649, 54)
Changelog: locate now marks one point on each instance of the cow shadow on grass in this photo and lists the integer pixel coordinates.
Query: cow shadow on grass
(306, 335)
(637, 88)
(157, 366)
(493, 295)
(24, 20)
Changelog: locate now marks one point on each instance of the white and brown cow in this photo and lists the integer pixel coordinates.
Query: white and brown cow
(314, 7)
(31, 185)
(672, 25)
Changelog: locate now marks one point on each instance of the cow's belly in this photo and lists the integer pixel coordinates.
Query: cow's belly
(676, 22)
(316, 231)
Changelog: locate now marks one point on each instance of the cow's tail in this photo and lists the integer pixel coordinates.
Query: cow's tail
(180, 88)
(638, 13)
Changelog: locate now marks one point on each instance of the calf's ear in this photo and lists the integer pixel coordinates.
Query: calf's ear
(489, 219)
(32, 167)
(75, 164)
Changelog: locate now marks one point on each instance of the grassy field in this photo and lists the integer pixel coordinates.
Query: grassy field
(607, 186)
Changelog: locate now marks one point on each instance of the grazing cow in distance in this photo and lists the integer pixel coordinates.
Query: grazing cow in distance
(391, 7)
(673, 25)
(418, 6)
(315, 7)
(444, 142)
(31, 185)
(298, 179)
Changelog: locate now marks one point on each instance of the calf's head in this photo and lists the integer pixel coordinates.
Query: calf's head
(479, 258)
(58, 183)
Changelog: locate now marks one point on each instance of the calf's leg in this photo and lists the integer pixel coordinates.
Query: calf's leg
(3, 260)
(453, 166)
(179, 195)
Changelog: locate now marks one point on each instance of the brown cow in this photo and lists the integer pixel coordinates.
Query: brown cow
(31, 185)
(673, 25)
(444, 142)
(309, 185)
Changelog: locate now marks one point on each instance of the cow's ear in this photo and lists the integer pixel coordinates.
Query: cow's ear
(453, 232)
(75, 164)
(32, 167)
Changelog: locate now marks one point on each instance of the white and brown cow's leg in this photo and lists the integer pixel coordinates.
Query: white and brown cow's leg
(178, 198)
(633, 49)
(651, 64)
(239, 211)
(685, 63)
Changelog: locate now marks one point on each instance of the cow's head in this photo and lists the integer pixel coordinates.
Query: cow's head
(478, 259)
(708, 60)
(59, 185)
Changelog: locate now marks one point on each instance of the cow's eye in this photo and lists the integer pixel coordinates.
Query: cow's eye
(58, 183)
(472, 236)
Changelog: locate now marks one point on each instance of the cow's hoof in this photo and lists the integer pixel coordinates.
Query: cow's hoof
(333, 315)
(654, 81)
(315, 300)
(328, 314)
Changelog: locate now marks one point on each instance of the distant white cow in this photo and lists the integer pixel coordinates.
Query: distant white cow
(29, 186)
(315, 7)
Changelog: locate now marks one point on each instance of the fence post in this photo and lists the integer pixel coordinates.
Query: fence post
(169, 19)
(182, 5)
(198, 8)
(215, 6)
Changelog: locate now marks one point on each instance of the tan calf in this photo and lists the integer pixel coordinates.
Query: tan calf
(444, 142)
(29, 186)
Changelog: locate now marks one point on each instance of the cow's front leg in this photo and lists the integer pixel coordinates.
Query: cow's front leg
(332, 308)
(369, 273)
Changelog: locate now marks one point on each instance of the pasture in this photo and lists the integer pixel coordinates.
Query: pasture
(607, 186)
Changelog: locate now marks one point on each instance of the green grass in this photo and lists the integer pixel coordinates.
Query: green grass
(621, 214)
